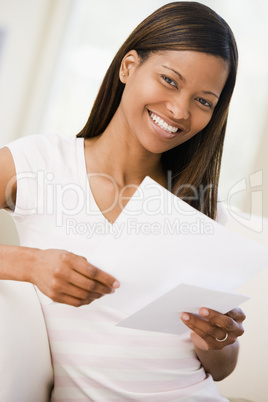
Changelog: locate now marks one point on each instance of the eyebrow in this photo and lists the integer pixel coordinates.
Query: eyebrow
(176, 72)
(183, 79)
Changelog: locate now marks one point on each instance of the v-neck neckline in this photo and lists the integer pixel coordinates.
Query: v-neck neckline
(84, 176)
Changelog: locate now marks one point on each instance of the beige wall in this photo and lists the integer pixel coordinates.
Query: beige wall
(33, 33)
(249, 380)
(261, 163)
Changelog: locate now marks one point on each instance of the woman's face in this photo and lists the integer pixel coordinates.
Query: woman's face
(170, 97)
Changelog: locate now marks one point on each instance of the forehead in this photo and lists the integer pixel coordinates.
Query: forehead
(184, 56)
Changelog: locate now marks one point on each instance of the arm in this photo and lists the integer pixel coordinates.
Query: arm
(219, 363)
(218, 358)
(63, 276)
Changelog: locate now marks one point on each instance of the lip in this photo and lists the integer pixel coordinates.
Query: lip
(160, 131)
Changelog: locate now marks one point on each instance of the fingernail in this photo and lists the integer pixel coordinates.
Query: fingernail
(204, 312)
(116, 284)
(185, 317)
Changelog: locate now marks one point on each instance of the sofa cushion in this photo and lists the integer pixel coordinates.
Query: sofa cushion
(25, 363)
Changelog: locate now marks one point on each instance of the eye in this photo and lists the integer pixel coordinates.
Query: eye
(169, 81)
(204, 102)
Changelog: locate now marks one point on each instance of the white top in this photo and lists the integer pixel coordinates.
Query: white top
(93, 359)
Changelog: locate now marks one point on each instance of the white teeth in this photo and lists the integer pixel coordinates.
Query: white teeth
(163, 124)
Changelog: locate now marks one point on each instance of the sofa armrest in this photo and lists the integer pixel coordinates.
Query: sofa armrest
(25, 363)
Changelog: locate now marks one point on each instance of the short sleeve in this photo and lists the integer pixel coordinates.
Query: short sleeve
(30, 155)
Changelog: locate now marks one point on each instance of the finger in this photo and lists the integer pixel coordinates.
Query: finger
(80, 264)
(89, 285)
(79, 293)
(221, 320)
(199, 341)
(206, 329)
(70, 300)
(237, 314)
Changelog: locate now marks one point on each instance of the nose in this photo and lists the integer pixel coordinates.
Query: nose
(179, 107)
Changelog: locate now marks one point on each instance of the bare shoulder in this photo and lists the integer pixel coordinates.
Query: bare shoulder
(8, 182)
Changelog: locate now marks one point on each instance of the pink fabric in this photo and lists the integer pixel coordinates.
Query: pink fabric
(95, 358)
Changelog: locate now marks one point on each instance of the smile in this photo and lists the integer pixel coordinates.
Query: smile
(163, 124)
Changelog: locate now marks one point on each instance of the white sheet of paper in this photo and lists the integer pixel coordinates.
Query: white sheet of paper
(163, 314)
(159, 241)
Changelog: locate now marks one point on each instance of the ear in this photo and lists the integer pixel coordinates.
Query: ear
(128, 65)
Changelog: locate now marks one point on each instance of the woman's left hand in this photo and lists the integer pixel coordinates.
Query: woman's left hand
(213, 330)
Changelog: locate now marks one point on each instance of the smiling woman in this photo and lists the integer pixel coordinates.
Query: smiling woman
(161, 112)
(184, 26)
(184, 101)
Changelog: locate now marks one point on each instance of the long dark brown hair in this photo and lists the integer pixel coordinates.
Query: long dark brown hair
(195, 164)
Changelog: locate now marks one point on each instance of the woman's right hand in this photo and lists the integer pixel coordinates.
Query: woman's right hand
(69, 278)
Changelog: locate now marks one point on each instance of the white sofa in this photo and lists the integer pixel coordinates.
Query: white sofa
(25, 365)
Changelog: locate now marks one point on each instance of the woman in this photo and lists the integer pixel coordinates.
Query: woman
(161, 110)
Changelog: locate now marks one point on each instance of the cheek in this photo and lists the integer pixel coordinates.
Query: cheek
(155, 93)
(140, 97)
(199, 121)
(147, 92)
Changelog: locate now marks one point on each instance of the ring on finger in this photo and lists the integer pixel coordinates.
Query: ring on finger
(224, 339)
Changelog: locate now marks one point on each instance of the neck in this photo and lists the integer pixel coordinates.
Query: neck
(119, 154)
